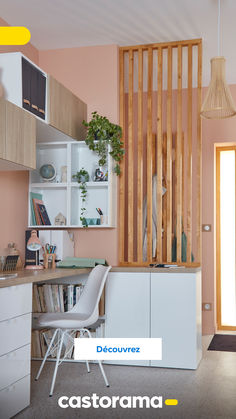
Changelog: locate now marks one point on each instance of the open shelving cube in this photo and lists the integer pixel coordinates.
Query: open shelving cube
(65, 197)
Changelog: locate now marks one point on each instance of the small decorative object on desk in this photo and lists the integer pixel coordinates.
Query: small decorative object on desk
(49, 256)
(12, 250)
(47, 172)
(60, 220)
(64, 174)
(10, 263)
(49, 261)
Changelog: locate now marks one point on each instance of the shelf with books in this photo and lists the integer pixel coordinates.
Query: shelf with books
(58, 297)
(41, 340)
(63, 194)
(54, 201)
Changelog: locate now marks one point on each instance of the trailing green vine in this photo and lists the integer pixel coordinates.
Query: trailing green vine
(101, 133)
(82, 178)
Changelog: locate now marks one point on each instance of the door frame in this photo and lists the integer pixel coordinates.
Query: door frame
(218, 237)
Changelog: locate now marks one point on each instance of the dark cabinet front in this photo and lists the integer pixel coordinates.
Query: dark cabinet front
(33, 89)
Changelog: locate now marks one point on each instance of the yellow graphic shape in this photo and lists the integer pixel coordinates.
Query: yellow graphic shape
(171, 402)
(14, 35)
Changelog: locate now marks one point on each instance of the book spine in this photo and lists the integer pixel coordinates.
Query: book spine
(70, 292)
(37, 300)
(42, 299)
(48, 298)
(37, 216)
(55, 297)
(61, 298)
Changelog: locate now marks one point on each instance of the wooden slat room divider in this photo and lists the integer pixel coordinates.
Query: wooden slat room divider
(160, 102)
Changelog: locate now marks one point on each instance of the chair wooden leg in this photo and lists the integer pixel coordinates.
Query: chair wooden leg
(46, 355)
(57, 363)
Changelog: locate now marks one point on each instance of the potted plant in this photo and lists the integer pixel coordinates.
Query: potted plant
(82, 178)
(101, 133)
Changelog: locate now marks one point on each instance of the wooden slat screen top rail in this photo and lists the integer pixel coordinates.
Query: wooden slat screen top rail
(122, 165)
(149, 156)
(163, 45)
(130, 162)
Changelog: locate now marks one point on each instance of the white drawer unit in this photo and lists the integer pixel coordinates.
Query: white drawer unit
(14, 398)
(15, 348)
(15, 301)
(14, 366)
(15, 333)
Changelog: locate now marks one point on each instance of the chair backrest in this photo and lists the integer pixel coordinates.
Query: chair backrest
(89, 299)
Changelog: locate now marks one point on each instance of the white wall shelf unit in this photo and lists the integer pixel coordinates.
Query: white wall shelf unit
(65, 197)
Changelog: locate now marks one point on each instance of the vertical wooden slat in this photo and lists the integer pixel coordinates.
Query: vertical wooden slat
(178, 158)
(159, 157)
(122, 175)
(130, 162)
(149, 156)
(140, 158)
(199, 157)
(189, 161)
(169, 159)
(183, 177)
(164, 198)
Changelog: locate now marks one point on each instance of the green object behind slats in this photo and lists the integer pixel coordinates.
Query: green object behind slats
(81, 262)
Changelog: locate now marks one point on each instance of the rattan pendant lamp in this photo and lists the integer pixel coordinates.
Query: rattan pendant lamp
(218, 102)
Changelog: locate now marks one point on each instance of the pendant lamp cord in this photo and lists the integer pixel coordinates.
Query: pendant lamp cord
(219, 49)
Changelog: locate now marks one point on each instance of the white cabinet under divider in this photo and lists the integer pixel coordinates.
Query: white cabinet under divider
(163, 305)
(63, 195)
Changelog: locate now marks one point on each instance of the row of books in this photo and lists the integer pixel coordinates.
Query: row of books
(41, 340)
(39, 213)
(55, 298)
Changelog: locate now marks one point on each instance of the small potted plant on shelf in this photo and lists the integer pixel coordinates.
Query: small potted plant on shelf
(101, 133)
(82, 178)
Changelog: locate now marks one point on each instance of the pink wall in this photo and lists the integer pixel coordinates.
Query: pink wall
(92, 74)
(13, 212)
(14, 185)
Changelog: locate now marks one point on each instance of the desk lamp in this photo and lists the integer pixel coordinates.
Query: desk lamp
(34, 245)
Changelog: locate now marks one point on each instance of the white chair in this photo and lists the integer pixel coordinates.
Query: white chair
(83, 314)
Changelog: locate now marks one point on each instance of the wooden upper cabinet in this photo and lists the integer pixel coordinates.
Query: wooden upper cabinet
(20, 146)
(66, 111)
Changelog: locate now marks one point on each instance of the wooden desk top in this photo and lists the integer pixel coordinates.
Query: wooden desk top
(26, 276)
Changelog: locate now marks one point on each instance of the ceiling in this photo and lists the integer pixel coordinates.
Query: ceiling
(75, 23)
